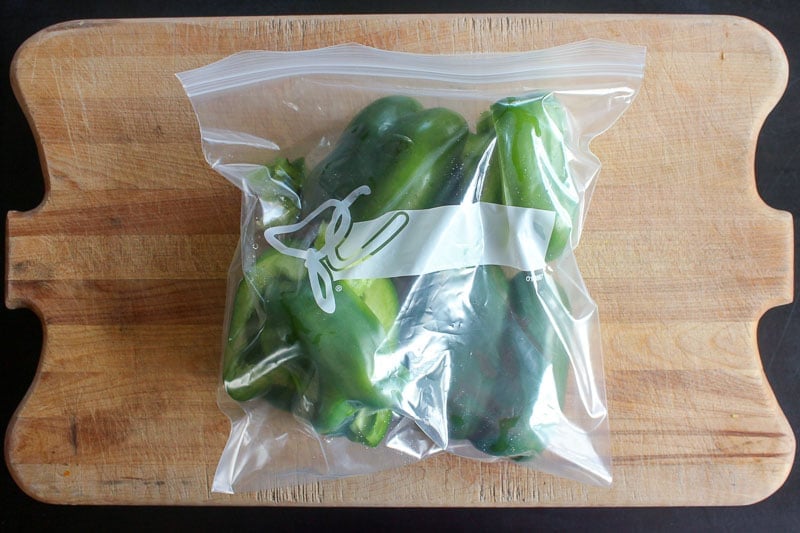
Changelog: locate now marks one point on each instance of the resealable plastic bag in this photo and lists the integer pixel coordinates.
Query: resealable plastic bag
(405, 282)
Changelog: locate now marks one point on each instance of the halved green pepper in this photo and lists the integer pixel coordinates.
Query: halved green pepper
(527, 400)
(257, 355)
(425, 149)
(256, 352)
(341, 344)
(532, 157)
(407, 156)
(475, 364)
(271, 360)
(461, 312)
(359, 157)
(342, 400)
(480, 179)
(404, 153)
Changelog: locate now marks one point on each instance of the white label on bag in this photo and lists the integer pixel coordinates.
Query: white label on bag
(414, 242)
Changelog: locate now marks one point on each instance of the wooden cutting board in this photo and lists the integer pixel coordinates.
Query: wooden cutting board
(125, 262)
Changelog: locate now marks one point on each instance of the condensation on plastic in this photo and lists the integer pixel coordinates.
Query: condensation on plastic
(256, 107)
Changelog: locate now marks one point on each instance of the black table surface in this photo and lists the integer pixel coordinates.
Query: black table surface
(21, 188)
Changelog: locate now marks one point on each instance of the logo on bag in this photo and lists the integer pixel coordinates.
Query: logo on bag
(343, 248)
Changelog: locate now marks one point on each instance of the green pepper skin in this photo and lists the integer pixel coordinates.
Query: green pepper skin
(404, 153)
(531, 350)
(480, 176)
(529, 311)
(463, 310)
(459, 315)
(474, 357)
(279, 361)
(425, 149)
(341, 345)
(532, 159)
(506, 428)
(342, 399)
(274, 363)
(255, 353)
(359, 157)
(529, 163)
(407, 156)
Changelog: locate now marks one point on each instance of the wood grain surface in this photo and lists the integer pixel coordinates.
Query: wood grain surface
(125, 262)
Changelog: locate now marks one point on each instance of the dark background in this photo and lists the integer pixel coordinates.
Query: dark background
(21, 188)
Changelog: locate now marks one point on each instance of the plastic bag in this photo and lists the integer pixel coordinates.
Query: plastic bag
(405, 282)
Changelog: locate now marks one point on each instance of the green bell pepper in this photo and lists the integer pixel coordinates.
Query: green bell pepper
(521, 411)
(359, 157)
(475, 364)
(255, 353)
(271, 360)
(463, 310)
(341, 344)
(480, 179)
(404, 153)
(532, 158)
(256, 356)
(425, 148)
(538, 314)
(407, 157)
